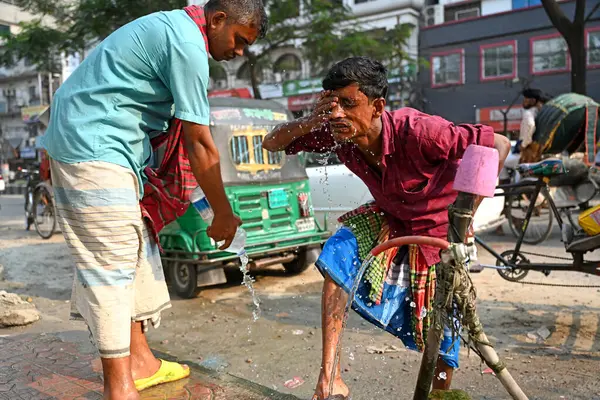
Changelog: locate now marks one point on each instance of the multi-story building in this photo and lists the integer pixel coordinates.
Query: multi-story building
(24, 93)
(482, 53)
(290, 79)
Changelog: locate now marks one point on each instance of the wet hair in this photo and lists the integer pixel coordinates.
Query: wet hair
(243, 12)
(536, 94)
(370, 75)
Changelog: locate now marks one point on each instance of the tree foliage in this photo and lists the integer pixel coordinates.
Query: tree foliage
(68, 26)
(327, 32)
(574, 34)
(325, 29)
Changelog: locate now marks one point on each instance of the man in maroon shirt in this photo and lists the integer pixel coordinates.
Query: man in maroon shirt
(408, 160)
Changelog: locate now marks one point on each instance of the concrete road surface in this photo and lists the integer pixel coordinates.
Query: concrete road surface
(216, 329)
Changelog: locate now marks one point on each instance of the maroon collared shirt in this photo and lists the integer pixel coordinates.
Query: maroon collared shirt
(421, 154)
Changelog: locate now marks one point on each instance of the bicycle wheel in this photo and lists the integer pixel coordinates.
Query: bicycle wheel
(539, 226)
(512, 274)
(44, 213)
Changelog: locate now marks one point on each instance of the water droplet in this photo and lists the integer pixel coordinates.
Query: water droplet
(413, 304)
(442, 376)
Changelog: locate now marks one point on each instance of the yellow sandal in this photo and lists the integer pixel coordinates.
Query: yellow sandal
(168, 372)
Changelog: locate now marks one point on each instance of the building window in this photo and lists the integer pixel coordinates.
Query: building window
(498, 61)
(447, 68)
(289, 67)
(549, 54)
(592, 40)
(462, 10)
(243, 73)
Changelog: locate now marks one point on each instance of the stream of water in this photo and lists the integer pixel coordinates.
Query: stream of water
(248, 281)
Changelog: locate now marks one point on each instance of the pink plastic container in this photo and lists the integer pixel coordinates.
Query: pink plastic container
(478, 171)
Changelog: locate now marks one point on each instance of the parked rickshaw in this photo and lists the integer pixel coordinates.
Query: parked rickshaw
(269, 191)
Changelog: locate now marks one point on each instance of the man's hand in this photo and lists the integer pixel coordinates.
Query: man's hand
(322, 111)
(223, 227)
(284, 134)
(204, 159)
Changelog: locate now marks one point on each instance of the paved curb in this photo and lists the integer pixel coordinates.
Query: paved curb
(227, 378)
(65, 365)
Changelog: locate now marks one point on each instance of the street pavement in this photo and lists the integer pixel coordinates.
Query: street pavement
(281, 351)
(65, 366)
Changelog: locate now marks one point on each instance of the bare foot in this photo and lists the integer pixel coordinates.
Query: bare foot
(322, 390)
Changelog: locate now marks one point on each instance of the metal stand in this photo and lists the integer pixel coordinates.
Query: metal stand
(455, 291)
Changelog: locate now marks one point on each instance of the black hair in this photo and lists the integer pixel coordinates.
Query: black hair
(536, 94)
(243, 12)
(370, 75)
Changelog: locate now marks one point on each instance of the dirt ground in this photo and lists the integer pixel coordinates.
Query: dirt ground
(216, 329)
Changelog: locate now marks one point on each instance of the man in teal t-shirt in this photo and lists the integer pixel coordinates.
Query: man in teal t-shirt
(135, 81)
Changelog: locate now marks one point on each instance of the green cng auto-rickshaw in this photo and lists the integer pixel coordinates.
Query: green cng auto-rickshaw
(269, 191)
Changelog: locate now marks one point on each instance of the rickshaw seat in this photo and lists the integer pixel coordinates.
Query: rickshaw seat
(544, 168)
(584, 244)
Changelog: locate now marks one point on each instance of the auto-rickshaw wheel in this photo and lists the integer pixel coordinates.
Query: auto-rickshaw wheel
(184, 279)
(305, 257)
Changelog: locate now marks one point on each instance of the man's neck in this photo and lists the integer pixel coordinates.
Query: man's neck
(374, 146)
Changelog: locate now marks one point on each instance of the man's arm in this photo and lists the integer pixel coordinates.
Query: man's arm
(502, 145)
(204, 160)
(284, 134)
(527, 128)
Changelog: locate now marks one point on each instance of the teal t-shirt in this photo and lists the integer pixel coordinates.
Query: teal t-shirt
(130, 86)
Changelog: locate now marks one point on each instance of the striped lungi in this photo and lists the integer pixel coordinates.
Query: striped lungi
(118, 272)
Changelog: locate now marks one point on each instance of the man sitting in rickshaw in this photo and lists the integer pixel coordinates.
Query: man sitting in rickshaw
(408, 160)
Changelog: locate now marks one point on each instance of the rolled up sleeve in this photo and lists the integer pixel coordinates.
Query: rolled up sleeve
(187, 78)
(452, 140)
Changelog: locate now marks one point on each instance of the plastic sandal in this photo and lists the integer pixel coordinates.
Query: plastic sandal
(168, 372)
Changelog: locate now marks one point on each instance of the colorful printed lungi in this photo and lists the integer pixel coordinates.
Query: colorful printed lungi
(118, 272)
(340, 261)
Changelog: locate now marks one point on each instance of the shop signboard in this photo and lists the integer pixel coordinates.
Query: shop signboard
(303, 102)
(302, 86)
(29, 114)
(494, 117)
(243, 93)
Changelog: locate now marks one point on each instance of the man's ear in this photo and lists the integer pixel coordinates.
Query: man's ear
(378, 107)
(217, 19)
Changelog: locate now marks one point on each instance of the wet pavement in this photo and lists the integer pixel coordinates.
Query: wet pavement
(64, 366)
(281, 351)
